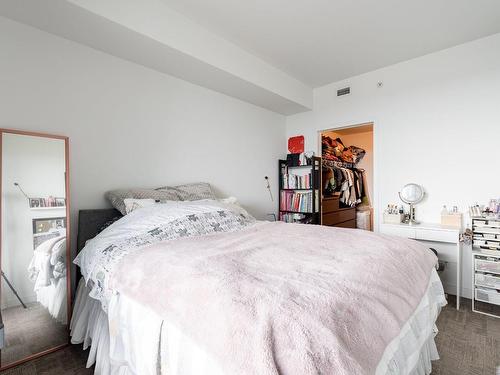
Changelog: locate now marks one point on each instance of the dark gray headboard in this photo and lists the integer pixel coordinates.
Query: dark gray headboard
(91, 222)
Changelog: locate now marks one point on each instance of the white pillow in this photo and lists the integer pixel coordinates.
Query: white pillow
(132, 204)
(230, 200)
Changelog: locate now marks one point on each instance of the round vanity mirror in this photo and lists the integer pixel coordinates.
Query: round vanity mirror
(412, 194)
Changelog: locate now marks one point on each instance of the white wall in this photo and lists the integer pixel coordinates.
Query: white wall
(436, 123)
(38, 165)
(133, 127)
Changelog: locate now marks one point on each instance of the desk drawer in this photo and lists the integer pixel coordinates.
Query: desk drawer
(339, 216)
(398, 230)
(436, 235)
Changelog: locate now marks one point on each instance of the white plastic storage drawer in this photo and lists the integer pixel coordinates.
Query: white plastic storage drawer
(489, 230)
(490, 281)
(493, 245)
(487, 265)
(488, 295)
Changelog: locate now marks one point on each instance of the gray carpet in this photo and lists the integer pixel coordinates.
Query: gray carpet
(68, 361)
(469, 344)
(30, 331)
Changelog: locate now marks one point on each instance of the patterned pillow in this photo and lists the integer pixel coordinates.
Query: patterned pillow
(132, 204)
(117, 197)
(191, 192)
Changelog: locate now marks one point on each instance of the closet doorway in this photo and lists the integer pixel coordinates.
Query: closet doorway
(347, 177)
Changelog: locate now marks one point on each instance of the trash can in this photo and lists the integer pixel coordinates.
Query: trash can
(363, 218)
(440, 265)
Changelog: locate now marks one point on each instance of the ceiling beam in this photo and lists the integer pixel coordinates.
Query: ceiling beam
(147, 32)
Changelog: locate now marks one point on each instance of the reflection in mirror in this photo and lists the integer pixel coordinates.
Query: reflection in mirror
(34, 251)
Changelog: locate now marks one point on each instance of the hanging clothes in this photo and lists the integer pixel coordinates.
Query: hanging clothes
(348, 182)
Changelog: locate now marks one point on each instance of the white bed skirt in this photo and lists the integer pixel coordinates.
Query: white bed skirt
(54, 298)
(413, 350)
(132, 340)
(89, 325)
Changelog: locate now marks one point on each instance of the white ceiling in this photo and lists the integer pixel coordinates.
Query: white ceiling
(323, 41)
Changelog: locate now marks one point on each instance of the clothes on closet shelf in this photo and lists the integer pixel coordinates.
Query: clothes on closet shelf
(334, 149)
(349, 182)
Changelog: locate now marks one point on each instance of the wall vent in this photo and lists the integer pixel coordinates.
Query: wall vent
(344, 91)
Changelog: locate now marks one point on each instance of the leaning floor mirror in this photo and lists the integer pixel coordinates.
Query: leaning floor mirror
(35, 238)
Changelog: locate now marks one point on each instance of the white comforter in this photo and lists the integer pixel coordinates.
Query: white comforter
(100, 255)
(47, 271)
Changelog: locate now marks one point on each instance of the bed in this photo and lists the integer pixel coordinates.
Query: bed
(47, 271)
(184, 288)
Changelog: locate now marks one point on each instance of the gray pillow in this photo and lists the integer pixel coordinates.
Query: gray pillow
(117, 197)
(191, 192)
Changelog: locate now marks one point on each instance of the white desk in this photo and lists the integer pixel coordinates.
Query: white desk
(433, 233)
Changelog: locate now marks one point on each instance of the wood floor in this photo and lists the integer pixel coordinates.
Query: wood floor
(469, 344)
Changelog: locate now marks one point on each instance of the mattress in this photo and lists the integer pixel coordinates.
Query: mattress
(132, 340)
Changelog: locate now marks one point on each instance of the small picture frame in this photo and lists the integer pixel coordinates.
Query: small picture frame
(35, 202)
(60, 202)
(47, 228)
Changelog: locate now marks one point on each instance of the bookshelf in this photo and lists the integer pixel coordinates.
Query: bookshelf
(299, 192)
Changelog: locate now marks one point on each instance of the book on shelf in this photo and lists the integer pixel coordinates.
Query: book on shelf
(293, 181)
(297, 201)
(295, 218)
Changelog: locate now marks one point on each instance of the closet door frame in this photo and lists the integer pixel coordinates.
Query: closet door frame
(68, 236)
(373, 197)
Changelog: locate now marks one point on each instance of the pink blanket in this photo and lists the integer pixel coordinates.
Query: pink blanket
(281, 298)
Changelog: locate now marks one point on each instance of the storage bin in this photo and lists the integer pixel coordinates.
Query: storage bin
(452, 220)
(393, 218)
(486, 265)
(490, 281)
(488, 295)
(363, 219)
